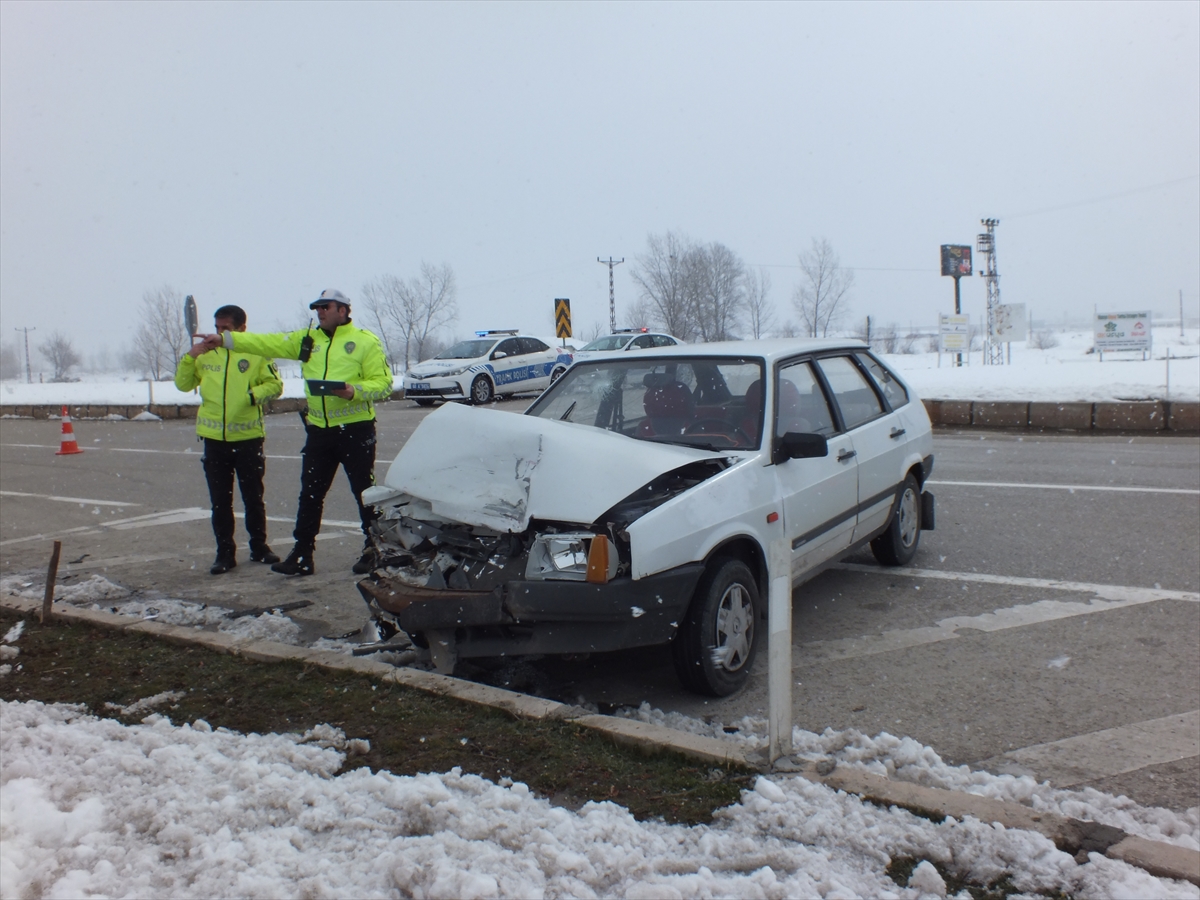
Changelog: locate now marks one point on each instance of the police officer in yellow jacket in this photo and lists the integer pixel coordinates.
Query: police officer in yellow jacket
(340, 422)
(233, 387)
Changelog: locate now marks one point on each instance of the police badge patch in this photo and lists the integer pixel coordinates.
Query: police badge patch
(349, 346)
(243, 365)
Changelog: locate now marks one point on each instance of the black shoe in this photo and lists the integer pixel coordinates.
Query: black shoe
(263, 555)
(222, 564)
(368, 562)
(298, 562)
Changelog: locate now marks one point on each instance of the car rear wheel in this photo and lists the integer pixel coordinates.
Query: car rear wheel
(481, 390)
(556, 374)
(717, 642)
(898, 545)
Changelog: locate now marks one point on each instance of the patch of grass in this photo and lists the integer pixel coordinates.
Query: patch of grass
(900, 869)
(409, 731)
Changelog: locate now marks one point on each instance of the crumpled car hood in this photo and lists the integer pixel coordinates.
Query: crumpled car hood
(497, 470)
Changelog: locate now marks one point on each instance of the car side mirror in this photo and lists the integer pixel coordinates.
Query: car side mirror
(499, 354)
(796, 445)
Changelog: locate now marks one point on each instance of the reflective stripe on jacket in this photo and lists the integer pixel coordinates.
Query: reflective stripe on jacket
(351, 354)
(233, 387)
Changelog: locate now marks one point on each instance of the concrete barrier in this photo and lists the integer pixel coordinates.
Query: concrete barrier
(1135, 415)
(1000, 414)
(1060, 416)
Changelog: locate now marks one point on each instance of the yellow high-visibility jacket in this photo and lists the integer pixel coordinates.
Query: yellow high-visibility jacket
(350, 354)
(233, 387)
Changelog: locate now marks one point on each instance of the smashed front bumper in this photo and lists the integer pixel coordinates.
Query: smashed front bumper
(523, 617)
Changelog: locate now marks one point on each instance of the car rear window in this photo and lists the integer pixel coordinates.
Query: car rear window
(855, 397)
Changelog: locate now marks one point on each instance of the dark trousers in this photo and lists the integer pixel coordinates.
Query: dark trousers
(353, 448)
(222, 460)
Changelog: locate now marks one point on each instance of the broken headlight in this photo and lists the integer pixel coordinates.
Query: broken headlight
(572, 556)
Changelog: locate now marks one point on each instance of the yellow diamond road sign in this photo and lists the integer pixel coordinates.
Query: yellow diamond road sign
(562, 317)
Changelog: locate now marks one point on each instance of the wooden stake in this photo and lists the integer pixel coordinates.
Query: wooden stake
(51, 577)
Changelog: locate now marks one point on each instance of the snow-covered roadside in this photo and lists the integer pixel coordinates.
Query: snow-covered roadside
(1065, 373)
(214, 813)
(92, 807)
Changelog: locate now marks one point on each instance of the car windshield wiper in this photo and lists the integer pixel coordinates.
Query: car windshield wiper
(570, 409)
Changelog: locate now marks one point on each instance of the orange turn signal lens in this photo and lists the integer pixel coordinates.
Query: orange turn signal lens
(597, 570)
(772, 518)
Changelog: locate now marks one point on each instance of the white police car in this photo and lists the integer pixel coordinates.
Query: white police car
(624, 339)
(493, 363)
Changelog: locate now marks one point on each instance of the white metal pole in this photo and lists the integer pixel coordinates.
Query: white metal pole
(779, 663)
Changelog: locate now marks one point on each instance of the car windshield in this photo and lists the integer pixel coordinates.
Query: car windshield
(467, 349)
(709, 402)
(609, 342)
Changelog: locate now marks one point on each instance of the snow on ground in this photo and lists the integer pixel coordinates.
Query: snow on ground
(1067, 372)
(91, 807)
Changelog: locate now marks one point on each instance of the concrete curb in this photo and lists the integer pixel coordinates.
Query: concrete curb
(1126, 417)
(1069, 835)
(1131, 417)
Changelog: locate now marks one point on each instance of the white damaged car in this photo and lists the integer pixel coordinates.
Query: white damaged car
(634, 502)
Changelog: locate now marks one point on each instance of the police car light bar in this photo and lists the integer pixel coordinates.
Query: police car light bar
(496, 331)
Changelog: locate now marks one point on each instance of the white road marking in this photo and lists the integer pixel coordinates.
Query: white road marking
(82, 500)
(173, 517)
(1068, 487)
(1113, 751)
(1105, 597)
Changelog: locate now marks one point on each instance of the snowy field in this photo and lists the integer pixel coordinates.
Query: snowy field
(91, 807)
(1064, 373)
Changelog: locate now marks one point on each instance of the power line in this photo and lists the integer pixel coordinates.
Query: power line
(1077, 203)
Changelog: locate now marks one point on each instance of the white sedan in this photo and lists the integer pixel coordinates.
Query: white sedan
(633, 504)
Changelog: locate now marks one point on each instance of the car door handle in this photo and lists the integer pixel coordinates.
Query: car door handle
(844, 455)
(896, 432)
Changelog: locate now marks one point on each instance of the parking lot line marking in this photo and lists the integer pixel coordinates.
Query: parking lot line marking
(1067, 487)
(90, 447)
(82, 500)
(1105, 597)
(1100, 754)
(83, 529)
(1103, 591)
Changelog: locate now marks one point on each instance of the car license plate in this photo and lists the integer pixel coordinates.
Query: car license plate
(419, 386)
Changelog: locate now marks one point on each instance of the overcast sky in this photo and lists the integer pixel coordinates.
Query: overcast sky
(258, 153)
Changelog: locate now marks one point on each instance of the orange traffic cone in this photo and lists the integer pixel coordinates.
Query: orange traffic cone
(68, 436)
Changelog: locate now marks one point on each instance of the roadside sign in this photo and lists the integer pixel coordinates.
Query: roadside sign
(190, 316)
(562, 317)
(1122, 331)
(956, 259)
(1010, 322)
(954, 333)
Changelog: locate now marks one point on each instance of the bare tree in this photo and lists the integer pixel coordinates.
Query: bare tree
(663, 274)
(161, 338)
(760, 312)
(380, 295)
(717, 285)
(61, 354)
(1043, 340)
(820, 298)
(413, 310)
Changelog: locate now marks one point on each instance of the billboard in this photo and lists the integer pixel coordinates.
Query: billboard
(1010, 322)
(954, 333)
(956, 259)
(1122, 331)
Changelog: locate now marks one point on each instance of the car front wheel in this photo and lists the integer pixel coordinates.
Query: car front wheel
(898, 545)
(481, 390)
(716, 644)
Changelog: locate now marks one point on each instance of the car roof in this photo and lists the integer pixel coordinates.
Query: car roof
(771, 349)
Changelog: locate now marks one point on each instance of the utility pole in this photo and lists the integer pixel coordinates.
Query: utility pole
(993, 350)
(612, 301)
(1181, 312)
(29, 371)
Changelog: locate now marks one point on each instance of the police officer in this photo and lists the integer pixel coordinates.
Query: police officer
(340, 422)
(233, 387)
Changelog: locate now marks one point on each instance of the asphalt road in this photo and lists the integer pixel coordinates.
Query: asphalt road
(1050, 625)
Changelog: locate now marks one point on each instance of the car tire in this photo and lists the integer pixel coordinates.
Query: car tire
(424, 402)
(898, 545)
(556, 374)
(718, 640)
(481, 390)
